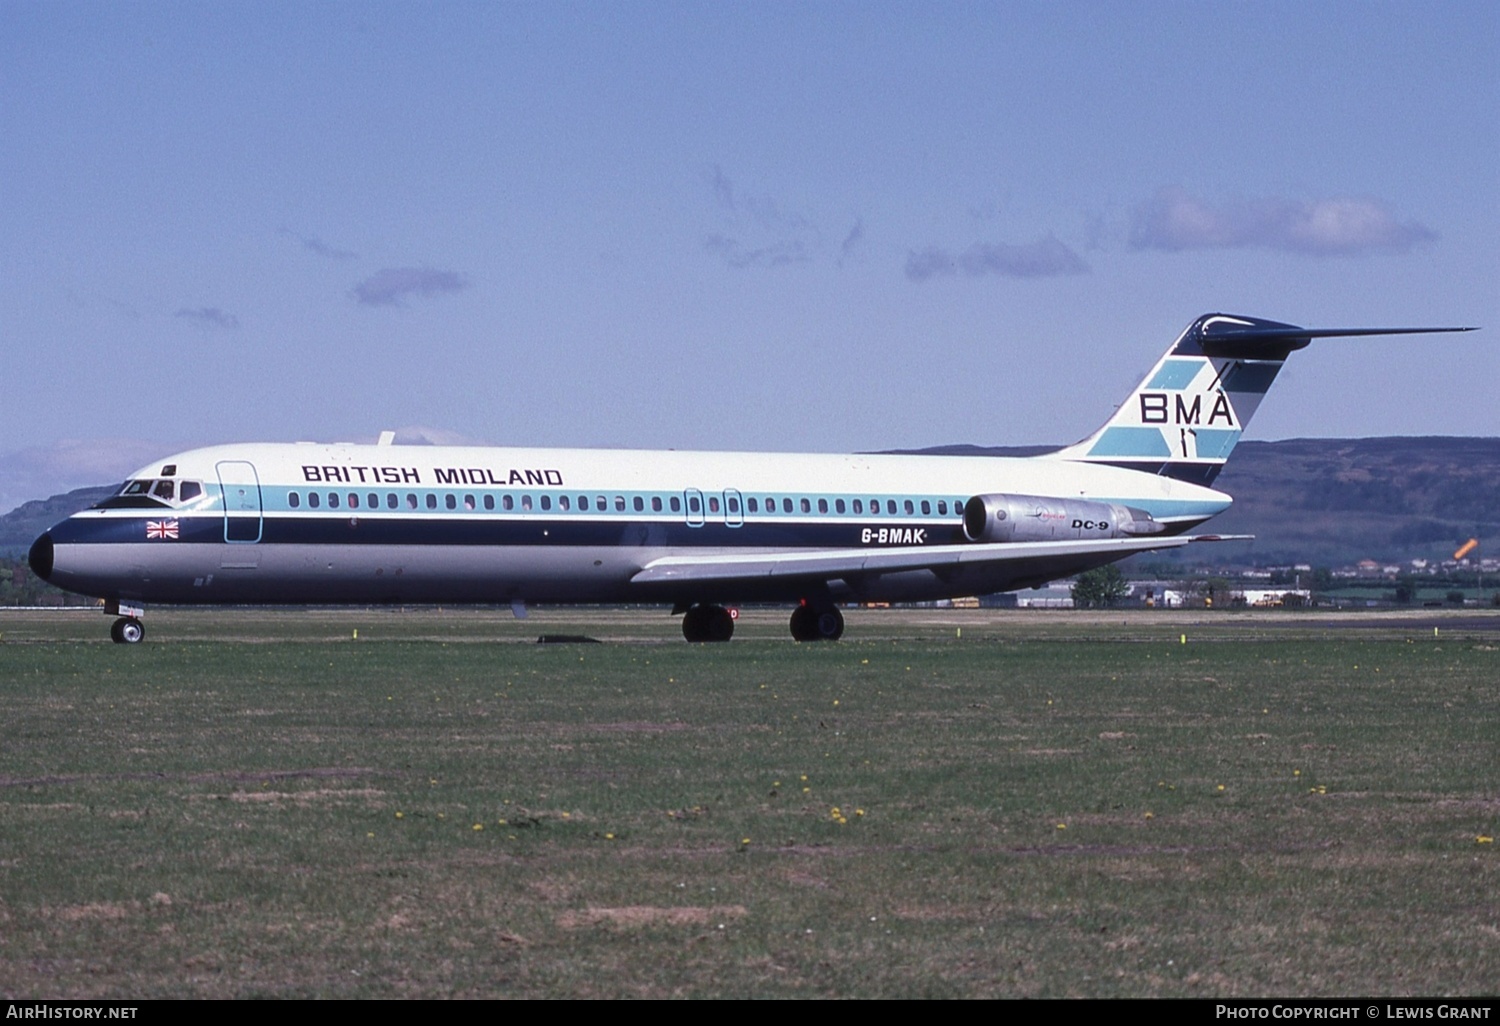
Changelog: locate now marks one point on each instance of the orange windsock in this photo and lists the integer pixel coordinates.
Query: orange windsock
(1466, 548)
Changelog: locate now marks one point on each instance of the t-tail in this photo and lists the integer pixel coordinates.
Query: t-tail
(1186, 417)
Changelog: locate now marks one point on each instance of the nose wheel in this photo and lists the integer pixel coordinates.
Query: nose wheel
(812, 623)
(127, 630)
(707, 623)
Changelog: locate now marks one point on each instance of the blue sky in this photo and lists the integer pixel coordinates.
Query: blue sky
(822, 226)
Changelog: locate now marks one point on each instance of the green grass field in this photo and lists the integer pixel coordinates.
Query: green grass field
(258, 804)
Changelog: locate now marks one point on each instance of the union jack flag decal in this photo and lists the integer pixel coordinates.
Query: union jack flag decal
(161, 529)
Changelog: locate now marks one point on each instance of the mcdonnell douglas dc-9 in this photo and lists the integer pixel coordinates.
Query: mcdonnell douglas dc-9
(309, 523)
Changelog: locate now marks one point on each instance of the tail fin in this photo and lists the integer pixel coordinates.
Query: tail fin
(1187, 416)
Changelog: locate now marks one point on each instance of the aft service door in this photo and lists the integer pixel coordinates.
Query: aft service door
(242, 508)
(734, 508)
(694, 508)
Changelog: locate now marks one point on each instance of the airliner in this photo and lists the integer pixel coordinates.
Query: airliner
(308, 523)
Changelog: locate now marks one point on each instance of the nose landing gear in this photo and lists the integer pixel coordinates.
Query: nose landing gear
(127, 630)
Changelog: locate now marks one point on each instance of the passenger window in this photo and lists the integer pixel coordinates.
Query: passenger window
(373, 501)
(875, 506)
(713, 504)
(333, 500)
(451, 501)
(293, 499)
(489, 502)
(191, 490)
(546, 502)
(656, 503)
(694, 506)
(786, 505)
(583, 503)
(926, 508)
(822, 505)
(602, 503)
(509, 502)
(770, 504)
(564, 503)
(838, 505)
(469, 502)
(676, 504)
(640, 504)
(353, 500)
(431, 501)
(942, 507)
(909, 507)
(313, 500)
(734, 504)
(391, 502)
(525, 504)
(411, 500)
(859, 505)
(751, 505)
(890, 506)
(619, 503)
(806, 506)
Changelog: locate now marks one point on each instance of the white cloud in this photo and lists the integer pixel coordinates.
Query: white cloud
(389, 286)
(1044, 258)
(1173, 220)
(211, 316)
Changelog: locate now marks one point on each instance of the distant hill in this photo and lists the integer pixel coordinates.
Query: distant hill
(1324, 501)
(20, 527)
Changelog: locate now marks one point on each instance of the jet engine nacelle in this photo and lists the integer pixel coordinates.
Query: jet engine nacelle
(1029, 518)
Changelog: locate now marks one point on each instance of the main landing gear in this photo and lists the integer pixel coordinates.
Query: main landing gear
(810, 622)
(817, 623)
(127, 630)
(707, 623)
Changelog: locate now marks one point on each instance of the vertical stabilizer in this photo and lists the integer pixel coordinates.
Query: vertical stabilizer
(1186, 417)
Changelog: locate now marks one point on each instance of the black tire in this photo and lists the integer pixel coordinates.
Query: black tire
(707, 623)
(127, 630)
(813, 624)
(829, 625)
(720, 625)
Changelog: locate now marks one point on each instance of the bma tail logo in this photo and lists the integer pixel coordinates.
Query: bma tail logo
(1162, 408)
(161, 530)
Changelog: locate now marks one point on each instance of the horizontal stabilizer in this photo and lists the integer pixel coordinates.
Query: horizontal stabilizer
(1250, 338)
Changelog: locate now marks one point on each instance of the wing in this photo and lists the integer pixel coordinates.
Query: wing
(1005, 562)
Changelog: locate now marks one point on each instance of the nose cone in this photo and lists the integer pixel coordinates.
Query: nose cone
(40, 557)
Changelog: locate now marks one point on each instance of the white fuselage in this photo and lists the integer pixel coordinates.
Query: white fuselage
(315, 523)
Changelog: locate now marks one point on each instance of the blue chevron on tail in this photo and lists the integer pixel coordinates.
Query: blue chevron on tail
(1186, 417)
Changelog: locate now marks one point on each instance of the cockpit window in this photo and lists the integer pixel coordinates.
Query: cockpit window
(165, 490)
(135, 495)
(191, 490)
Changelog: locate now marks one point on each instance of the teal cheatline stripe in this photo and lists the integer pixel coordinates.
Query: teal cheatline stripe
(1175, 374)
(1215, 444)
(1251, 377)
(1130, 441)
